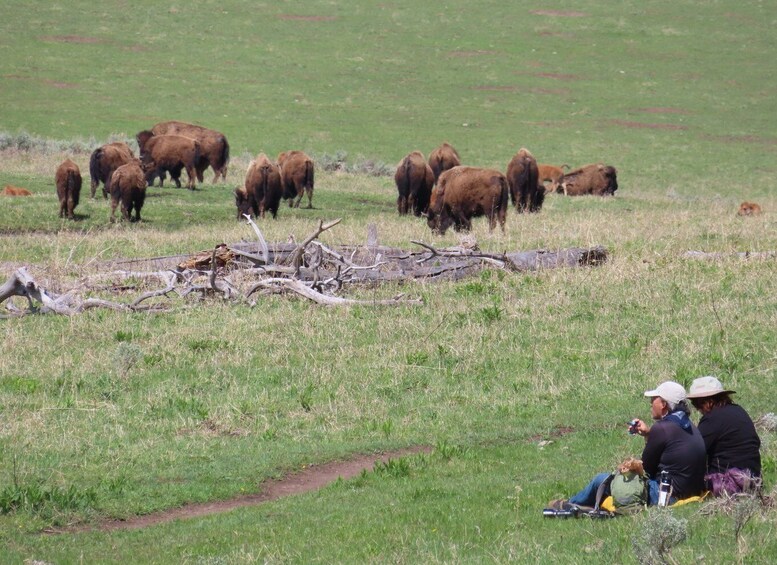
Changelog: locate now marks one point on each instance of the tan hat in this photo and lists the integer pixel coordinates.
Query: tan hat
(707, 386)
(670, 391)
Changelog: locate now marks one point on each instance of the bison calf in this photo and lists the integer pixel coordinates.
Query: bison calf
(128, 188)
(414, 180)
(526, 192)
(68, 181)
(749, 209)
(552, 174)
(297, 177)
(11, 190)
(466, 192)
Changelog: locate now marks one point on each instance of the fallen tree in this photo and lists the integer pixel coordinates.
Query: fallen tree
(246, 270)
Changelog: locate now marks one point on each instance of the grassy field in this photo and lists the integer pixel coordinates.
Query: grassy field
(520, 383)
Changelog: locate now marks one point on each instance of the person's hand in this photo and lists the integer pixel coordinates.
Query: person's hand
(639, 427)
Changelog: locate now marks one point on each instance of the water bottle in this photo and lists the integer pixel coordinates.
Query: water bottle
(664, 489)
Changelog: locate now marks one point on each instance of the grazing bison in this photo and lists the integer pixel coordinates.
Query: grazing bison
(414, 180)
(597, 179)
(465, 192)
(68, 181)
(11, 190)
(161, 153)
(296, 177)
(552, 174)
(526, 191)
(262, 190)
(104, 161)
(214, 148)
(443, 158)
(128, 188)
(749, 209)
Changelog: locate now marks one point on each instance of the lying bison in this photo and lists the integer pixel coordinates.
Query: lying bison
(443, 158)
(297, 177)
(68, 181)
(11, 190)
(214, 148)
(104, 161)
(262, 190)
(596, 179)
(526, 191)
(465, 192)
(128, 189)
(169, 153)
(749, 209)
(414, 180)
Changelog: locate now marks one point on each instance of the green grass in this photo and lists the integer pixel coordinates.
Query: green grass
(110, 415)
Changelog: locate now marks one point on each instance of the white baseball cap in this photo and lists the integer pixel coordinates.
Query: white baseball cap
(670, 391)
(706, 386)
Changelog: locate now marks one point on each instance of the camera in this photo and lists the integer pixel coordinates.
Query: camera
(633, 427)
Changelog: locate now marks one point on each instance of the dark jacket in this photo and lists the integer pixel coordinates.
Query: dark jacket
(731, 440)
(679, 452)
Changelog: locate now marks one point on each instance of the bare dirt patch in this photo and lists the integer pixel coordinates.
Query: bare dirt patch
(559, 13)
(309, 479)
(71, 39)
(293, 17)
(58, 84)
(476, 53)
(531, 90)
(558, 76)
(662, 110)
(742, 139)
(642, 125)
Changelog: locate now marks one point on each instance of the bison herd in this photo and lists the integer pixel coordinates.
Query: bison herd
(443, 190)
(450, 194)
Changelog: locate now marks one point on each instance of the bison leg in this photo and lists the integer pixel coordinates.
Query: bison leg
(114, 204)
(402, 205)
(192, 174)
(298, 199)
(309, 192)
(94, 187)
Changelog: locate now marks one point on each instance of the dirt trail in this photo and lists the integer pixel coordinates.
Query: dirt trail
(311, 478)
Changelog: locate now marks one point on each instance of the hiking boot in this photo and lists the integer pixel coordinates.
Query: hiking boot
(561, 504)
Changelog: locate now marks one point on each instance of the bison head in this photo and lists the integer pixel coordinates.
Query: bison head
(242, 203)
(611, 176)
(142, 138)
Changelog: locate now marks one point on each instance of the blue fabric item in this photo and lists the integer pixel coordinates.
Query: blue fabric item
(681, 419)
(587, 496)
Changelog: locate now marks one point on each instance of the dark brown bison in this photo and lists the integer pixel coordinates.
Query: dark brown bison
(414, 180)
(214, 148)
(104, 161)
(169, 153)
(523, 179)
(552, 174)
(443, 158)
(597, 179)
(11, 190)
(68, 181)
(128, 188)
(749, 209)
(262, 190)
(465, 192)
(297, 177)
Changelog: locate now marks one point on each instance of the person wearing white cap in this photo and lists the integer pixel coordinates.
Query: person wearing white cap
(732, 443)
(672, 443)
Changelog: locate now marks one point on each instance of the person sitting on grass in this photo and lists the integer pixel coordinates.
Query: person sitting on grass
(672, 444)
(733, 456)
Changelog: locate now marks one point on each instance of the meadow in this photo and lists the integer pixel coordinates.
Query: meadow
(519, 384)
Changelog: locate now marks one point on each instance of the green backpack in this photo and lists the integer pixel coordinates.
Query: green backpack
(629, 489)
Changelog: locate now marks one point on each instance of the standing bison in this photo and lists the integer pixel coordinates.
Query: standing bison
(128, 189)
(297, 177)
(414, 180)
(68, 181)
(171, 153)
(526, 192)
(262, 190)
(597, 179)
(104, 161)
(443, 158)
(214, 148)
(552, 174)
(465, 192)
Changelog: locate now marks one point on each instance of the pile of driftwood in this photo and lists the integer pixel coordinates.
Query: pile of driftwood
(243, 271)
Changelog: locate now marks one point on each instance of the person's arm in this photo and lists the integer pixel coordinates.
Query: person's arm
(654, 447)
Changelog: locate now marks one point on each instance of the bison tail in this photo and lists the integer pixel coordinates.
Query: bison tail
(224, 157)
(309, 175)
(94, 165)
